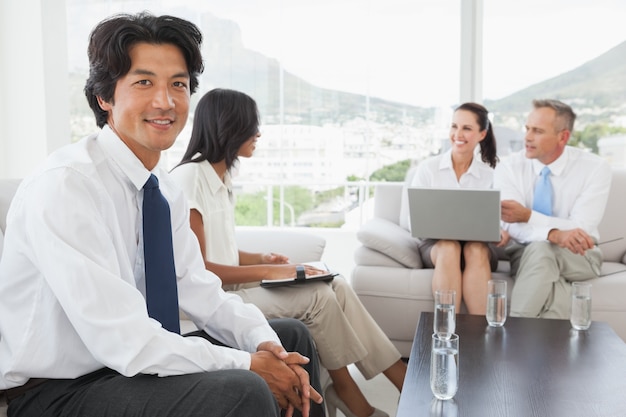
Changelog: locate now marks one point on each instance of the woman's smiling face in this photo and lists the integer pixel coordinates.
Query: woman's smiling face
(465, 133)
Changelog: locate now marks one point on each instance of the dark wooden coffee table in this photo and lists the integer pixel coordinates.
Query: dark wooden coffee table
(529, 367)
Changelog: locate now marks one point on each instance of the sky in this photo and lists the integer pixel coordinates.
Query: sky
(408, 50)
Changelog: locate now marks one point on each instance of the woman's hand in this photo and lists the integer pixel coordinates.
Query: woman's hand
(505, 237)
(274, 258)
(289, 271)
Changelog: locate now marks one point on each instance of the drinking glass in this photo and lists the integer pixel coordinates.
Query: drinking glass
(443, 408)
(581, 305)
(445, 314)
(444, 367)
(496, 302)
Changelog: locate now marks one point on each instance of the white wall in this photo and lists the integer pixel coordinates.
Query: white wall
(34, 108)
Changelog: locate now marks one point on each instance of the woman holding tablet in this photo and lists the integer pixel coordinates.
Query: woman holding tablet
(226, 127)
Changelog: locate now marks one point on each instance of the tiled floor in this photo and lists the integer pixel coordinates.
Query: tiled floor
(339, 255)
(379, 391)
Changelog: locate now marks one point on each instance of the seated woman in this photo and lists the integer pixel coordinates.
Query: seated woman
(464, 267)
(226, 127)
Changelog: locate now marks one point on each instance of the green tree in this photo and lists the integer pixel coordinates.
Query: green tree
(394, 172)
(328, 195)
(589, 136)
(251, 209)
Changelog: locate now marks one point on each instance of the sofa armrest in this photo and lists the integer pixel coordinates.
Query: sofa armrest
(392, 240)
(387, 198)
(298, 246)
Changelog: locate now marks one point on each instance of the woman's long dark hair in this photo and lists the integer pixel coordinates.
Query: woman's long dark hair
(223, 121)
(488, 152)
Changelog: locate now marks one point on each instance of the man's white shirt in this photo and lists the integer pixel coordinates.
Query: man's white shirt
(72, 272)
(581, 183)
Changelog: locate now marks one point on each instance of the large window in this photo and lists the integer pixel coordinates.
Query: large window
(344, 87)
(352, 91)
(571, 50)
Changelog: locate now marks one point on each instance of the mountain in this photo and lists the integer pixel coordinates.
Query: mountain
(229, 64)
(598, 85)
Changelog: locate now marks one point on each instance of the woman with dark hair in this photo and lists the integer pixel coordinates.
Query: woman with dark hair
(464, 267)
(226, 127)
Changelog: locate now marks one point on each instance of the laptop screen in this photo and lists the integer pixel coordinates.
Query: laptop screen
(455, 213)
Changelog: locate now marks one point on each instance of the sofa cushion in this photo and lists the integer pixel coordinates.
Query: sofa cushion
(612, 225)
(384, 236)
(612, 268)
(370, 257)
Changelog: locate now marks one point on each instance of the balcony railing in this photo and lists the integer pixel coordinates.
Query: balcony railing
(346, 204)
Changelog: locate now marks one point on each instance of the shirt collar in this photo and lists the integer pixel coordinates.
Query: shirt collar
(214, 181)
(556, 167)
(445, 163)
(124, 158)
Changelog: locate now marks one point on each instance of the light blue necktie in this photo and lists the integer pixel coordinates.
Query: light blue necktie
(161, 289)
(542, 199)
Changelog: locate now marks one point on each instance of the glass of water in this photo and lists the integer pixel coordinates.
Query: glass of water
(581, 305)
(444, 367)
(444, 324)
(496, 302)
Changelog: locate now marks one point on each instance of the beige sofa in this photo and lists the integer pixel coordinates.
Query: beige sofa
(298, 246)
(393, 286)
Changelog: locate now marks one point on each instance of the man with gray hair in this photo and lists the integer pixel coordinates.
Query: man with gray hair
(553, 198)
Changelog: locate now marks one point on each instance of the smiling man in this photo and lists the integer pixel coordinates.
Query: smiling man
(89, 325)
(553, 198)
(151, 102)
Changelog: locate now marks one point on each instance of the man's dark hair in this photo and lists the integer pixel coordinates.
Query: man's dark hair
(111, 40)
(223, 121)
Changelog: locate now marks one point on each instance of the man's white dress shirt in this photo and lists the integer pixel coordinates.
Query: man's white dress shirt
(581, 183)
(72, 276)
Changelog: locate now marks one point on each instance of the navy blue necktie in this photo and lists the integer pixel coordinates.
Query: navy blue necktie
(542, 198)
(161, 290)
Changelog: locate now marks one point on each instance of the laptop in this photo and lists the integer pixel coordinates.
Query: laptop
(455, 213)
